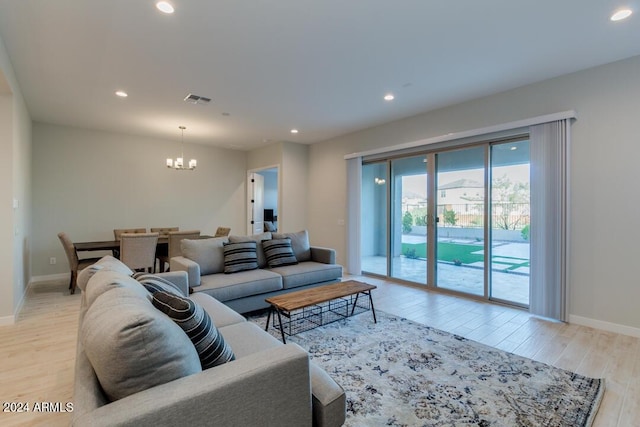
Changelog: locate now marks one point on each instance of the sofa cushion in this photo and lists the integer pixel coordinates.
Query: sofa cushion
(306, 273)
(207, 253)
(248, 338)
(153, 283)
(220, 313)
(197, 324)
(279, 252)
(258, 238)
(299, 243)
(107, 263)
(132, 346)
(240, 257)
(226, 287)
(106, 280)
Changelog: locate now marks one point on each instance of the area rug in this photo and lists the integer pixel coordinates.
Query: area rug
(401, 373)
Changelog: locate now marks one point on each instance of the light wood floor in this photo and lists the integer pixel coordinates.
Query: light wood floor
(37, 353)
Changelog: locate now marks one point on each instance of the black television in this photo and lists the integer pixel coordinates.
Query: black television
(268, 215)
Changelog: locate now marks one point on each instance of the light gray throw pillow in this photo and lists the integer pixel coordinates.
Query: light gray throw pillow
(107, 263)
(132, 346)
(207, 253)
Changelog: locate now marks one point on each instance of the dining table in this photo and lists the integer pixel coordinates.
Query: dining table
(114, 245)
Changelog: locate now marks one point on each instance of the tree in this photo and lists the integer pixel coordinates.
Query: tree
(449, 216)
(510, 202)
(407, 222)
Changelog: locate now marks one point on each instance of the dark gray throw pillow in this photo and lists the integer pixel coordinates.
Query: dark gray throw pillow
(191, 317)
(155, 283)
(279, 252)
(240, 256)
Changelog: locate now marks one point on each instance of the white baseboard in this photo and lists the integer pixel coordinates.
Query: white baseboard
(605, 326)
(49, 277)
(7, 320)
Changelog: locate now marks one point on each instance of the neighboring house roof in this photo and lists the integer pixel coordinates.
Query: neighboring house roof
(461, 183)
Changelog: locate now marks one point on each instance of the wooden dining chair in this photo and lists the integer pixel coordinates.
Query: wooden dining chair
(138, 250)
(175, 237)
(75, 264)
(162, 250)
(222, 232)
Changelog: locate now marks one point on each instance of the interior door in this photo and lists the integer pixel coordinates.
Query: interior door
(256, 203)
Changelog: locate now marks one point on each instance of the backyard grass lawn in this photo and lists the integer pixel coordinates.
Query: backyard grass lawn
(450, 252)
(446, 252)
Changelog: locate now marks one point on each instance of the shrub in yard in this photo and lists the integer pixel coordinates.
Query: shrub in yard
(407, 222)
(449, 217)
(525, 232)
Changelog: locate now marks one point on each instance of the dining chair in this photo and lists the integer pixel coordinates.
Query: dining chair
(75, 264)
(163, 231)
(175, 237)
(138, 250)
(162, 250)
(117, 232)
(222, 232)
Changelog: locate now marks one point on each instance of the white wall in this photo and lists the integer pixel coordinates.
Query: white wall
(15, 170)
(87, 183)
(295, 164)
(604, 287)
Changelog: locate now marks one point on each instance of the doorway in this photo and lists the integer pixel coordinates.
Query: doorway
(263, 200)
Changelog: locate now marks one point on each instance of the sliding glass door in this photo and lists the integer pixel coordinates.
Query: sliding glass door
(408, 219)
(510, 215)
(456, 219)
(373, 245)
(460, 195)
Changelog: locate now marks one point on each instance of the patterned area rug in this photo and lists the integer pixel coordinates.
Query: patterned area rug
(401, 373)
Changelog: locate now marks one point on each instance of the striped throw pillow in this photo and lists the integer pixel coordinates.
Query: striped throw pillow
(191, 317)
(279, 252)
(240, 256)
(154, 283)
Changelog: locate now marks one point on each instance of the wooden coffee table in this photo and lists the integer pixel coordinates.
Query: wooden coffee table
(287, 304)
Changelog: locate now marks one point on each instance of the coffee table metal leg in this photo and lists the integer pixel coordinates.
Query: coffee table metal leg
(355, 303)
(373, 310)
(266, 328)
(284, 341)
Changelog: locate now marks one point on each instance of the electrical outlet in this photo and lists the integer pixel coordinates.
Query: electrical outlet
(52, 260)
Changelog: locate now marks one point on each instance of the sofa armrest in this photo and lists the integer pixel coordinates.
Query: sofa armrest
(323, 255)
(179, 278)
(267, 388)
(180, 263)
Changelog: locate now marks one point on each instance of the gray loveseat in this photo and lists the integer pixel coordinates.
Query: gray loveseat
(135, 366)
(245, 291)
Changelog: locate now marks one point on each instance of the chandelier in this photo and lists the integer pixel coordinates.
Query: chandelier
(178, 164)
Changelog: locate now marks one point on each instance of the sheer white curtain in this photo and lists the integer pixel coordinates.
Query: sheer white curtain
(354, 194)
(549, 145)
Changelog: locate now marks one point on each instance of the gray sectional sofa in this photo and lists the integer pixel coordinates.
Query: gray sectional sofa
(136, 367)
(245, 291)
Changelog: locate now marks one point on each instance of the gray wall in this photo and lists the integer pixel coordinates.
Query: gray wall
(604, 205)
(87, 183)
(15, 191)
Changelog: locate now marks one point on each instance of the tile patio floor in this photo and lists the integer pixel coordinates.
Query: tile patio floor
(509, 286)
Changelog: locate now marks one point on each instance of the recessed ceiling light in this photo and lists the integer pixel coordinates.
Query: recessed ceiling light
(294, 130)
(389, 97)
(122, 94)
(514, 148)
(164, 7)
(621, 14)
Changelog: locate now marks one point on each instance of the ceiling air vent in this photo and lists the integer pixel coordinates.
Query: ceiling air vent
(195, 99)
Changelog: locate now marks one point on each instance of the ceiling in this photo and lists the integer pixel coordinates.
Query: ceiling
(268, 66)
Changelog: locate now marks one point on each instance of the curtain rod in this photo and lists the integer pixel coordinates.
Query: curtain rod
(570, 114)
